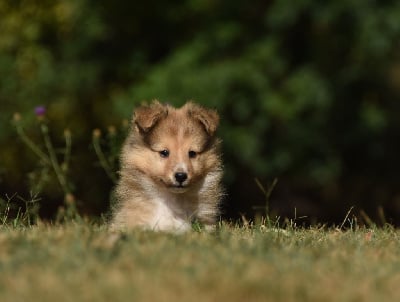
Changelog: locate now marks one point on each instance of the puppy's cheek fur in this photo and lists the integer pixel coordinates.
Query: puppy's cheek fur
(145, 161)
(196, 169)
(210, 160)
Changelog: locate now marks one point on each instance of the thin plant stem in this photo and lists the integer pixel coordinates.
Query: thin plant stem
(267, 193)
(345, 218)
(4, 216)
(68, 147)
(103, 161)
(53, 158)
(39, 153)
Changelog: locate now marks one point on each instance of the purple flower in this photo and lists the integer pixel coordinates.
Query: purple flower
(40, 111)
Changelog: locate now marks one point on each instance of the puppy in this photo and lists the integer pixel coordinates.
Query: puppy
(170, 171)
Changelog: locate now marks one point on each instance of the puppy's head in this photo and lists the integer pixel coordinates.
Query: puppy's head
(178, 147)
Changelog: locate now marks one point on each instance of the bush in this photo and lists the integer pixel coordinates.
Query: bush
(307, 94)
(307, 91)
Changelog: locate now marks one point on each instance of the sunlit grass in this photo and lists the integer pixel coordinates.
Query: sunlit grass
(73, 259)
(83, 262)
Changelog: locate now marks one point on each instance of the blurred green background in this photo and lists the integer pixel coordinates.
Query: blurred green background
(308, 93)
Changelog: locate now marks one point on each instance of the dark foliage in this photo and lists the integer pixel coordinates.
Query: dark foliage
(308, 92)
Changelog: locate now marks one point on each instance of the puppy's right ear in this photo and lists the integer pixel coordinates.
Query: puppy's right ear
(146, 117)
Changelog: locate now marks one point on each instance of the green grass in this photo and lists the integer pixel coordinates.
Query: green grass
(81, 262)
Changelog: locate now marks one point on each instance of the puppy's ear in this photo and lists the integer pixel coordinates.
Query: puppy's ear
(146, 117)
(209, 118)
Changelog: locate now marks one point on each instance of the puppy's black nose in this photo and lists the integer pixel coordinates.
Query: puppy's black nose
(180, 177)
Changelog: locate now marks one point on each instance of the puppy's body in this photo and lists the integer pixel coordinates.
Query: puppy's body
(170, 169)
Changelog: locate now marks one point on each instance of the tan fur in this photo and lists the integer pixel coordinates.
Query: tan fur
(148, 193)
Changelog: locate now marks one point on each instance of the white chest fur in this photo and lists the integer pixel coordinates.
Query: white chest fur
(170, 213)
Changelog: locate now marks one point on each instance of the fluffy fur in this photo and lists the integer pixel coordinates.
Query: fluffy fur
(170, 169)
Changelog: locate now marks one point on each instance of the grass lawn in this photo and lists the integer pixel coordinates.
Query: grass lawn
(80, 262)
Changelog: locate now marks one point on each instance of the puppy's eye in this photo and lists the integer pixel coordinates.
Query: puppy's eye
(192, 154)
(164, 153)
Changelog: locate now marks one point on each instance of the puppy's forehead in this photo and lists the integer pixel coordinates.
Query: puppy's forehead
(182, 129)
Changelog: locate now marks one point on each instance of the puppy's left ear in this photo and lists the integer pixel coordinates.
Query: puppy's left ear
(209, 118)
